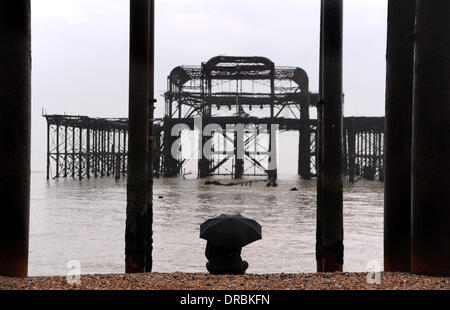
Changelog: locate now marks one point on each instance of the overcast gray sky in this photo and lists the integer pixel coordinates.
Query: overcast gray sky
(80, 50)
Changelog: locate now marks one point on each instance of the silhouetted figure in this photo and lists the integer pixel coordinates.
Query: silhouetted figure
(224, 260)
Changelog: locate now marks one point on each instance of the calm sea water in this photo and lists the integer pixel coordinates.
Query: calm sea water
(86, 222)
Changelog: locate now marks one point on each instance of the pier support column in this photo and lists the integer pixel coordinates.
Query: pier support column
(239, 152)
(319, 246)
(351, 152)
(95, 153)
(57, 151)
(332, 199)
(171, 167)
(80, 155)
(204, 161)
(65, 151)
(125, 154)
(88, 153)
(157, 152)
(304, 150)
(137, 186)
(151, 144)
(48, 150)
(15, 135)
(272, 172)
(399, 96)
(430, 238)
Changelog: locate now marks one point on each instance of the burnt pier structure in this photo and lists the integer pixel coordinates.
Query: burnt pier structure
(81, 147)
(229, 90)
(240, 105)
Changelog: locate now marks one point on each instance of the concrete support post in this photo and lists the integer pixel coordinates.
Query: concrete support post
(151, 141)
(319, 246)
(80, 154)
(48, 150)
(57, 151)
(88, 153)
(304, 152)
(137, 186)
(332, 229)
(239, 153)
(430, 238)
(351, 153)
(399, 97)
(15, 135)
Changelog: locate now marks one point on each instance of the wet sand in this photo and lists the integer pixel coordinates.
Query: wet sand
(186, 281)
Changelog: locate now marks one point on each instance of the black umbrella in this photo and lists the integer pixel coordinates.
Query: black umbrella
(230, 230)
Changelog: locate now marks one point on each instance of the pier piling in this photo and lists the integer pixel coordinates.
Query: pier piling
(319, 156)
(399, 97)
(151, 142)
(332, 199)
(304, 156)
(15, 135)
(137, 185)
(430, 231)
(239, 153)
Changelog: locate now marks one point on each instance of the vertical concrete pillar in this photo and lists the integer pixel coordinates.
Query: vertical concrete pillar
(304, 154)
(204, 162)
(137, 186)
(112, 153)
(48, 150)
(65, 151)
(332, 199)
(151, 141)
(103, 152)
(95, 153)
(73, 152)
(125, 154)
(171, 166)
(238, 152)
(272, 172)
(399, 96)
(108, 152)
(430, 233)
(57, 151)
(351, 152)
(88, 153)
(157, 152)
(15, 135)
(80, 154)
(319, 246)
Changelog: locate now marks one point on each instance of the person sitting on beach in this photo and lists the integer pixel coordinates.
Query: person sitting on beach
(224, 260)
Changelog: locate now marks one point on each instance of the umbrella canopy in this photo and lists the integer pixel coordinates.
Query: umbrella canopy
(230, 230)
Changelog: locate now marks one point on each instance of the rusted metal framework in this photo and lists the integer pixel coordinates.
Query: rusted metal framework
(363, 148)
(81, 147)
(240, 90)
(248, 91)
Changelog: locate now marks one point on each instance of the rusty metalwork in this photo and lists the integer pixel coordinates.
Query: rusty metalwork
(226, 102)
(15, 135)
(233, 90)
(430, 231)
(399, 100)
(81, 147)
(95, 155)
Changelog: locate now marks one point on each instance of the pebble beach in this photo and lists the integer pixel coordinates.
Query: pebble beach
(186, 281)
